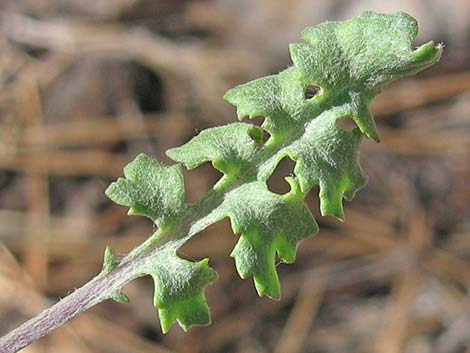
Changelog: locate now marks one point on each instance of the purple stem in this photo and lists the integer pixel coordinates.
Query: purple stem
(92, 293)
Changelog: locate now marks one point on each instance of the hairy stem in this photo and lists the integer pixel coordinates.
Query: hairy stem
(80, 300)
(340, 72)
(97, 290)
(103, 285)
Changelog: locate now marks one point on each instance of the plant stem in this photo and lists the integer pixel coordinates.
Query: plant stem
(97, 290)
(102, 287)
(80, 300)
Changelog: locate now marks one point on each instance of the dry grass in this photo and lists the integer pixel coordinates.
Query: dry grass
(85, 87)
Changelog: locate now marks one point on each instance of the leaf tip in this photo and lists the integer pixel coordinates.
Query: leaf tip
(173, 153)
(120, 298)
(272, 290)
(133, 212)
(330, 209)
(110, 261)
(428, 53)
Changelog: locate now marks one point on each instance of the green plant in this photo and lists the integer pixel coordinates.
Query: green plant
(337, 73)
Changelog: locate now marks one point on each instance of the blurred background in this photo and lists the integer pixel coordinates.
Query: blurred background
(87, 85)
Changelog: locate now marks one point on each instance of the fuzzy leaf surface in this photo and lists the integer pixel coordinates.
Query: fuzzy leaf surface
(328, 156)
(230, 148)
(268, 224)
(345, 63)
(179, 289)
(150, 189)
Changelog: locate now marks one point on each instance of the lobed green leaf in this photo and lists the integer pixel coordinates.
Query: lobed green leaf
(269, 224)
(230, 148)
(151, 190)
(346, 63)
(179, 289)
